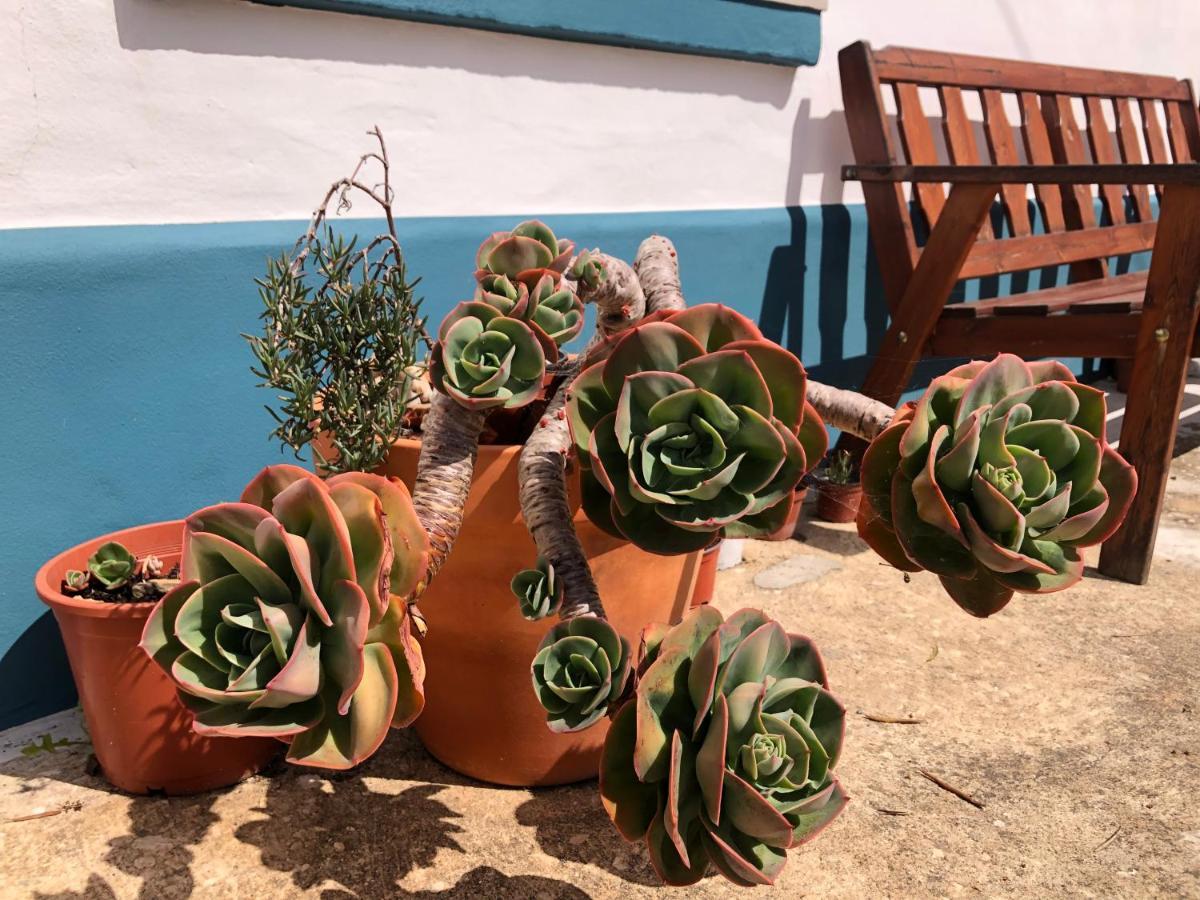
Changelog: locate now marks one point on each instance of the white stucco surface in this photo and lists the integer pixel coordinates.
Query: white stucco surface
(142, 111)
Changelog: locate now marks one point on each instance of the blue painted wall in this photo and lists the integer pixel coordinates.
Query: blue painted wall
(128, 399)
(734, 29)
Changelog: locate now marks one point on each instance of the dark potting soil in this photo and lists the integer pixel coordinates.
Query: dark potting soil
(123, 594)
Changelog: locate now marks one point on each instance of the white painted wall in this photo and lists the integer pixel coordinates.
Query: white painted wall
(120, 111)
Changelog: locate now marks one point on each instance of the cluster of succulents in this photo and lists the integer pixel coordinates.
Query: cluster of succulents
(580, 671)
(114, 574)
(690, 426)
(724, 756)
(539, 591)
(492, 351)
(994, 481)
(291, 620)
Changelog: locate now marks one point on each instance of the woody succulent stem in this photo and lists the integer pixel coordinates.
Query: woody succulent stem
(543, 492)
(619, 298)
(657, 268)
(849, 410)
(449, 445)
(651, 284)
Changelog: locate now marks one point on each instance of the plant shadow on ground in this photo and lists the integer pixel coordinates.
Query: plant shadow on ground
(832, 539)
(336, 827)
(570, 824)
(157, 847)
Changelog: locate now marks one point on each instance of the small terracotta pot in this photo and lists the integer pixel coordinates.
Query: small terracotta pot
(838, 502)
(141, 734)
(706, 577)
(787, 530)
(481, 717)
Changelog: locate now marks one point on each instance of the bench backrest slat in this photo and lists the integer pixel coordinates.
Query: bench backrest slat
(1004, 151)
(1063, 115)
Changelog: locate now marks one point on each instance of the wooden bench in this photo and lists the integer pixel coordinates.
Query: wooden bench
(1080, 137)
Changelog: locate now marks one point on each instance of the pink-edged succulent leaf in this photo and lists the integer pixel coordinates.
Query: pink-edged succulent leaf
(994, 480)
(579, 672)
(696, 426)
(286, 626)
(724, 757)
(485, 360)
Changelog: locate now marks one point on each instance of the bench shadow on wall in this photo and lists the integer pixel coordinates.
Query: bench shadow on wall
(830, 255)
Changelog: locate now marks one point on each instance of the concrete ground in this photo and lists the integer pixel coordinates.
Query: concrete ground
(1073, 720)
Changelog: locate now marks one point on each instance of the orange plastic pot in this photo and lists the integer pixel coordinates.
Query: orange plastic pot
(838, 502)
(706, 577)
(141, 734)
(787, 530)
(481, 717)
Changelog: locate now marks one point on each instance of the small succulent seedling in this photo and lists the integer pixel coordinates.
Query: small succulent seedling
(580, 670)
(841, 467)
(76, 582)
(538, 590)
(588, 269)
(112, 565)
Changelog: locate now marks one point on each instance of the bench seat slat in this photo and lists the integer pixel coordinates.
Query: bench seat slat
(1116, 290)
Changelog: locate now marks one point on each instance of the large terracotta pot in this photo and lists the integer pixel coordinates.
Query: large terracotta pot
(481, 717)
(141, 734)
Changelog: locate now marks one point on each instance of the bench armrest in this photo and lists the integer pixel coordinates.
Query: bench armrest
(1156, 173)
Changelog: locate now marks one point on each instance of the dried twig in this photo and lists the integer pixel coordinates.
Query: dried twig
(1108, 840)
(73, 806)
(890, 720)
(946, 786)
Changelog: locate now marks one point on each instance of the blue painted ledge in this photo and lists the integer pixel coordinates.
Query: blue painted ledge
(735, 29)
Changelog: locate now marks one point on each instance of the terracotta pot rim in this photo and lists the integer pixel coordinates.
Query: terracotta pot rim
(49, 576)
(833, 486)
(498, 452)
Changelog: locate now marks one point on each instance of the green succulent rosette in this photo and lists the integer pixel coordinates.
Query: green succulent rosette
(112, 565)
(553, 308)
(725, 755)
(588, 269)
(291, 618)
(501, 292)
(994, 481)
(538, 590)
(486, 360)
(581, 669)
(553, 312)
(521, 253)
(690, 426)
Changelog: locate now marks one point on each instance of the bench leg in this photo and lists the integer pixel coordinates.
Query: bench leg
(1168, 324)
(916, 315)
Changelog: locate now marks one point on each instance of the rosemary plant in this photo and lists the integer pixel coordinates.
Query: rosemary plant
(341, 335)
